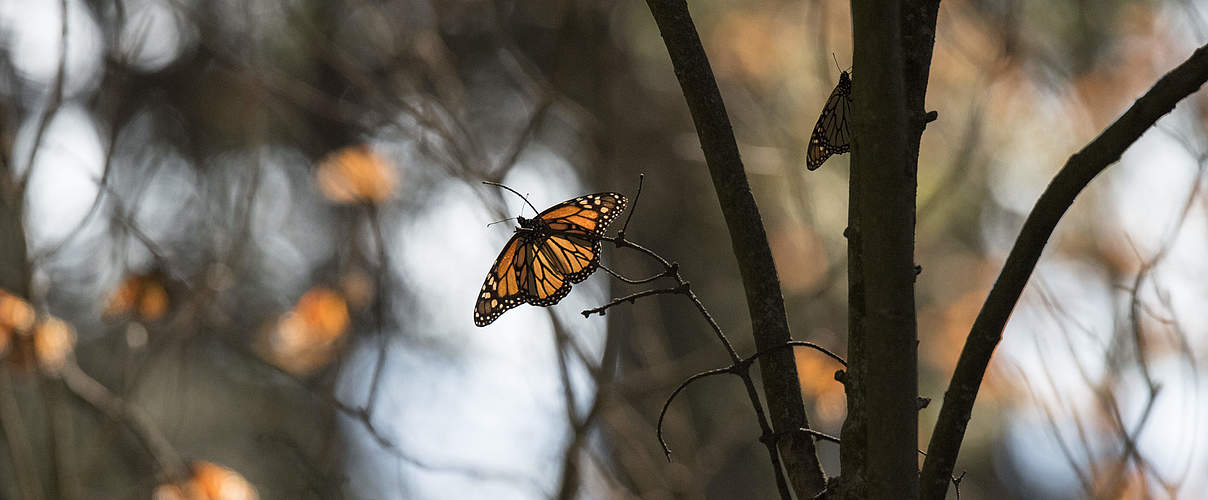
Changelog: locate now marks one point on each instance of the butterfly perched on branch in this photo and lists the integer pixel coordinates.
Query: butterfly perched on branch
(831, 135)
(548, 253)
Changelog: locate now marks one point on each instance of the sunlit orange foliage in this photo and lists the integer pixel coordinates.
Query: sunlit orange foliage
(816, 374)
(142, 295)
(305, 339)
(356, 174)
(800, 257)
(209, 482)
(16, 316)
(747, 42)
(54, 341)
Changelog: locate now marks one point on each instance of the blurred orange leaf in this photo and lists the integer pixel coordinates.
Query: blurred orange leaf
(143, 295)
(816, 374)
(324, 311)
(209, 482)
(306, 338)
(356, 174)
(15, 313)
(54, 340)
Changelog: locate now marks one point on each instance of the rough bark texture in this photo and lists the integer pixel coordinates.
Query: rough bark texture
(769, 324)
(987, 329)
(892, 55)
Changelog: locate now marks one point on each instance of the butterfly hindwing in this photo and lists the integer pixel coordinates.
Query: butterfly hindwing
(831, 135)
(539, 264)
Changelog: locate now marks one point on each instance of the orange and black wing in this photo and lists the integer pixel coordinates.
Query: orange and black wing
(577, 226)
(831, 135)
(525, 271)
(506, 285)
(539, 268)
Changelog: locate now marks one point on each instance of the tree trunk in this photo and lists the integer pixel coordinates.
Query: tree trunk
(892, 55)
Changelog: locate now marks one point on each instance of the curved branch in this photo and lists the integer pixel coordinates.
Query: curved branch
(667, 404)
(987, 329)
(797, 343)
(769, 322)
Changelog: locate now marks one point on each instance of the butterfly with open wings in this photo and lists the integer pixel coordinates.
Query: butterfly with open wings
(831, 135)
(548, 253)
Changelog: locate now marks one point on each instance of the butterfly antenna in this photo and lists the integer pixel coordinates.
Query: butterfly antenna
(499, 221)
(836, 62)
(490, 183)
(632, 209)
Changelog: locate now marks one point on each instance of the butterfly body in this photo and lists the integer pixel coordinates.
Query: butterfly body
(831, 134)
(558, 247)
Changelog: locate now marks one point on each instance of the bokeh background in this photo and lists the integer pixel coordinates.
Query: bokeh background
(241, 242)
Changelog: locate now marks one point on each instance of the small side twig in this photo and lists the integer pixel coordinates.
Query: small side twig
(682, 287)
(379, 307)
(800, 343)
(633, 208)
(631, 298)
(632, 281)
(820, 435)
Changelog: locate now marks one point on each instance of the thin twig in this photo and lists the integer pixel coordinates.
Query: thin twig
(667, 404)
(52, 104)
(820, 435)
(88, 389)
(800, 343)
(634, 207)
(379, 307)
(631, 281)
(631, 298)
(682, 287)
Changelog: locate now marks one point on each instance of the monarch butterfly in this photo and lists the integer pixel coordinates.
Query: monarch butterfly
(831, 136)
(558, 247)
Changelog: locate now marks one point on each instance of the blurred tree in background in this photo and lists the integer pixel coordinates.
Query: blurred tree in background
(240, 243)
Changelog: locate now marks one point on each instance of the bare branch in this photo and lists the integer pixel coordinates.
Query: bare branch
(53, 102)
(171, 465)
(631, 298)
(987, 329)
(769, 323)
(379, 307)
(799, 343)
(684, 385)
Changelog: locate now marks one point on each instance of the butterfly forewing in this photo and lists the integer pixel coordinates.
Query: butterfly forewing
(503, 288)
(588, 214)
(538, 265)
(831, 135)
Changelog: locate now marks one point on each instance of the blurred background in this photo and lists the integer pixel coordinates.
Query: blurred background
(242, 240)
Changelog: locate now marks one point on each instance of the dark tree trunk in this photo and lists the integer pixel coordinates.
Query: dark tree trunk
(892, 56)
